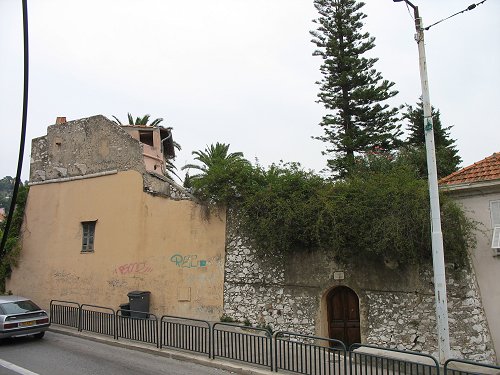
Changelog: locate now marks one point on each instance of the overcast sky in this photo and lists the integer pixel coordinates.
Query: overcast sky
(235, 71)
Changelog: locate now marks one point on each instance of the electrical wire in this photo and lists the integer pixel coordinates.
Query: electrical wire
(23, 130)
(409, 11)
(470, 7)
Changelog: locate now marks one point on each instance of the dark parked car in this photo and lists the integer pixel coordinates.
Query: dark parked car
(20, 316)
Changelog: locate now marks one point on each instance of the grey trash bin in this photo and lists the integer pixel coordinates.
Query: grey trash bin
(125, 307)
(139, 303)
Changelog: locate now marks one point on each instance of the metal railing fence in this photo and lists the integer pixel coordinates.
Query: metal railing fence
(288, 351)
(186, 334)
(97, 319)
(240, 343)
(463, 367)
(373, 360)
(310, 355)
(65, 313)
(143, 329)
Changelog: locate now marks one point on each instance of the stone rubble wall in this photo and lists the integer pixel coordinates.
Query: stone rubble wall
(407, 321)
(256, 290)
(90, 146)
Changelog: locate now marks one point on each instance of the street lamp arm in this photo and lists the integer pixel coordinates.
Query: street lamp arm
(407, 2)
(416, 15)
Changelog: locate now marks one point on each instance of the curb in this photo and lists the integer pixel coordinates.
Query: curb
(167, 353)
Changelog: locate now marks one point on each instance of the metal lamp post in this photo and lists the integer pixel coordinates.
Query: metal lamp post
(437, 235)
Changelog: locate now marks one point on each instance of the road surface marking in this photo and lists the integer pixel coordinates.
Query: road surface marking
(16, 369)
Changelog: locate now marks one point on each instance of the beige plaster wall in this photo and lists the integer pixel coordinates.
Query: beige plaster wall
(142, 242)
(487, 266)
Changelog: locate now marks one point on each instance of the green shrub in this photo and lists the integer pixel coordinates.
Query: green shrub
(381, 211)
(12, 249)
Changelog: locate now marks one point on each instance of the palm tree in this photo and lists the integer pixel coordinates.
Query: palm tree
(214, 155)
(219, 174)
(169, 164)
(139, 120)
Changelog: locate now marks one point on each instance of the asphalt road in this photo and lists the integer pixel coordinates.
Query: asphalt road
(58, 354)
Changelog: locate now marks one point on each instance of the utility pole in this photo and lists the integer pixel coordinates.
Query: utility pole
(437, 235)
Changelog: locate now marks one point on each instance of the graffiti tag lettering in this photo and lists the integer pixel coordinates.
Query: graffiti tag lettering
(187, 261)
(129, 268)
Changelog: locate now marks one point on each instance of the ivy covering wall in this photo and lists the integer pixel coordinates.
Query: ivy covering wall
(380, 211)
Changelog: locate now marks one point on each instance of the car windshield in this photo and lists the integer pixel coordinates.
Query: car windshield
(18, 307)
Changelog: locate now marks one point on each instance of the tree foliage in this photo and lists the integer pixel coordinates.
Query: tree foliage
(220, 173)
(381, 211)
(12, 247)
(352, 90)
(280, 212)
(447, 158)
(6, 188)
(144, 120)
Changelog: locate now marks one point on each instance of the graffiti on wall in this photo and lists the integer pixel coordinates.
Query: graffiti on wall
(132, 268)
(188, 261)
(179, 260)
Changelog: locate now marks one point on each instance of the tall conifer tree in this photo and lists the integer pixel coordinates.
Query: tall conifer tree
(352, 90)
(447, 158)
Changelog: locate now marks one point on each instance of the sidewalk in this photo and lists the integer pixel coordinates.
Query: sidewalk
(238, 368)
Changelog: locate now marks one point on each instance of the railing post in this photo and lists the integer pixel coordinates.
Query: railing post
(160, 336)
(350, 362)
(79, 318)
(157, 332)
(116, 324)
(50, 310)
(270, 336)
(210, 347)
(212, 341)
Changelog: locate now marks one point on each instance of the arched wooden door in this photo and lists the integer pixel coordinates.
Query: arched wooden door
(343, 315)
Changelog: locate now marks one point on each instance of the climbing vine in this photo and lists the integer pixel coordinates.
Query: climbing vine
(380, 212)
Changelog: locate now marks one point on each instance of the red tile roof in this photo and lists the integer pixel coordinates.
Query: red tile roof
(485, 170)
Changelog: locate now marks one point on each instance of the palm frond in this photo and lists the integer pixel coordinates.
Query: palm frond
(194, 166)
(117, 121)
(156, 121)
(171, 169)
(142, 121)
(214, 155)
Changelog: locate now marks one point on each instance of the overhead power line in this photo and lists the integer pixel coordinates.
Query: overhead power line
(470, 7)
(23, 132)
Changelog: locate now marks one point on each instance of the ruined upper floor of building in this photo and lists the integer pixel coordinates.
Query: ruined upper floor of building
(95, 146)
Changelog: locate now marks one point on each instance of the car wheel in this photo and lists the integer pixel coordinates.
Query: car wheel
(39, 335)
